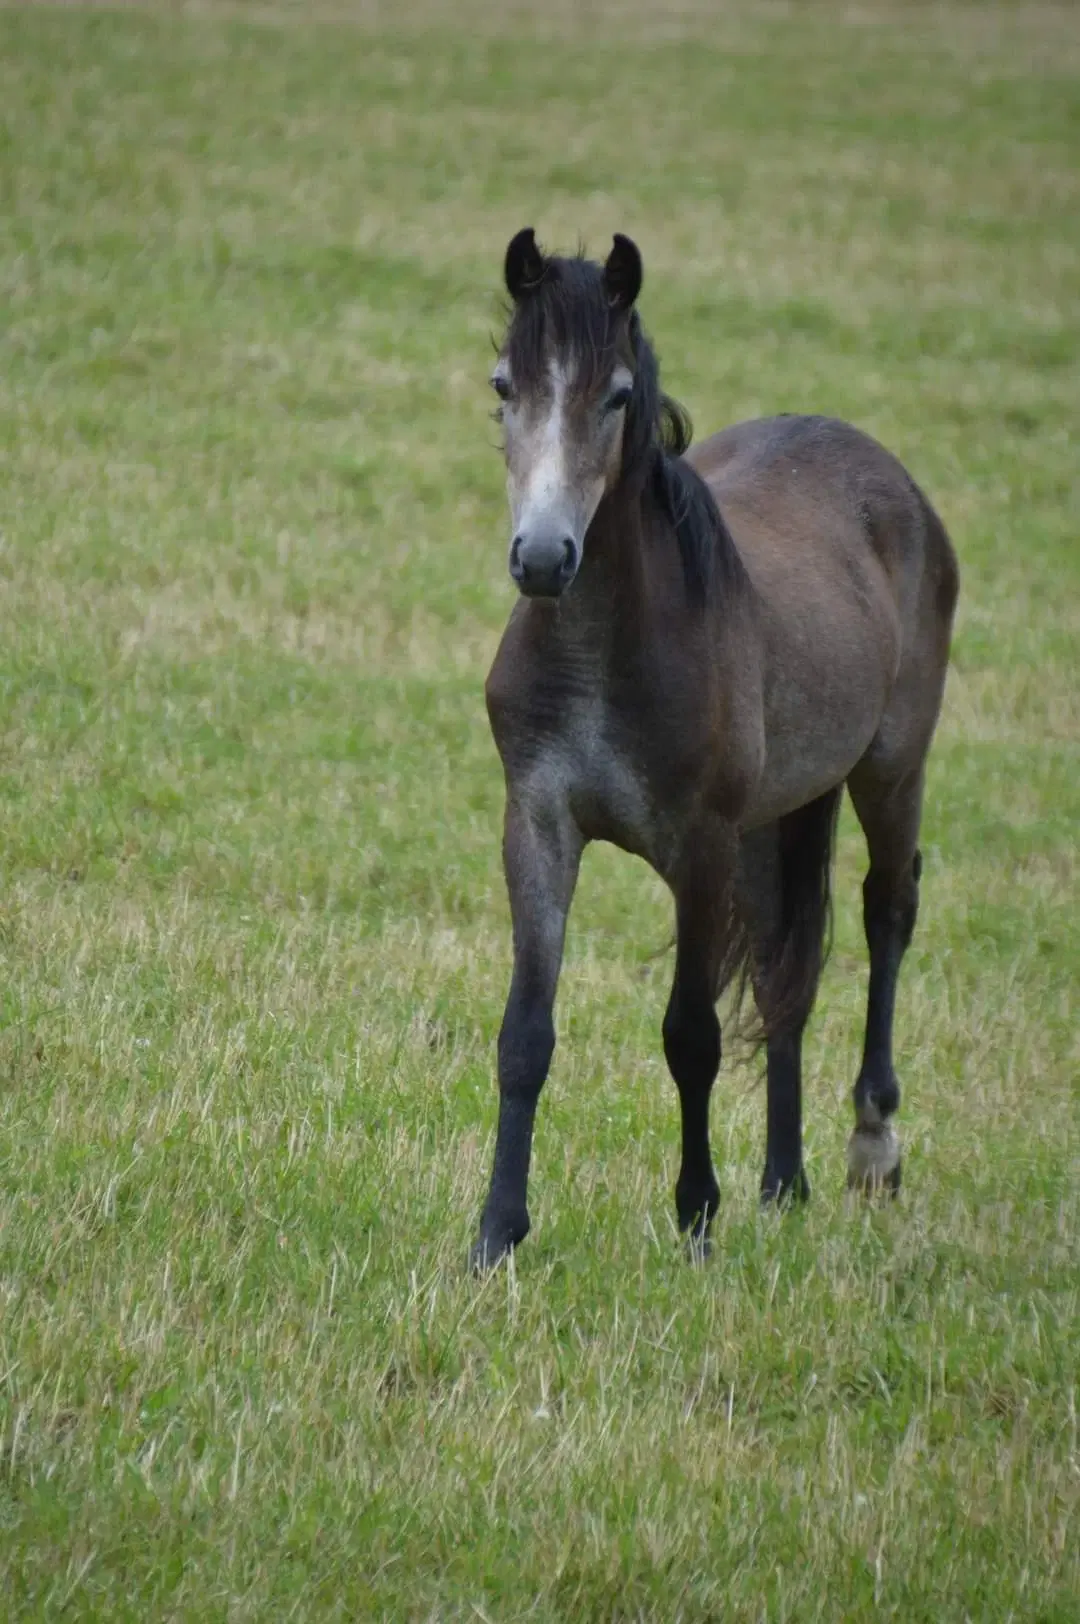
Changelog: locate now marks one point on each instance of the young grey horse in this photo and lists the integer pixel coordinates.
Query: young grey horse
(705, 650)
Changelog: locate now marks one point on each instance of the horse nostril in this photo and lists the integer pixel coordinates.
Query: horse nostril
(517, 568)
(569, 563)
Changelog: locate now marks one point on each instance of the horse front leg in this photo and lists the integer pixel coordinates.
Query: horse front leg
(541, 852)
(692, 1044)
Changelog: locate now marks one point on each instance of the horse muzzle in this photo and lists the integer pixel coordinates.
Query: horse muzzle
(542, 566)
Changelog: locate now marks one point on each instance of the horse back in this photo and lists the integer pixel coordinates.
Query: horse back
(816, 488)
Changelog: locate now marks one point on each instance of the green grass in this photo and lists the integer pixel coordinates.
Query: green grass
(253, 932)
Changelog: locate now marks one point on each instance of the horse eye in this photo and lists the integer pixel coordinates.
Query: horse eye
(620, 398)
(501, 386)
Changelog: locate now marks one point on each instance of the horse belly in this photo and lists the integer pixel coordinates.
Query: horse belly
(786, 786)
(818, 724)
(831, 643)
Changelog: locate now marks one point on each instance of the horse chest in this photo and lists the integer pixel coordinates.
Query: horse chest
(622, 758)
(608, 784)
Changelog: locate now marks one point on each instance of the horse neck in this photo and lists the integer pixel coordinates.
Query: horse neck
(610, 590)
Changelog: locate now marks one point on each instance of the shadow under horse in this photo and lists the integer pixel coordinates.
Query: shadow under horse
(707, 647)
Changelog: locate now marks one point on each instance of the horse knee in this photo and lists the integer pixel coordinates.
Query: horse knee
(526, 1045)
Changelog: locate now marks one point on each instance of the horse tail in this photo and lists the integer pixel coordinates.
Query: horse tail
(785, 965)
(941, 561)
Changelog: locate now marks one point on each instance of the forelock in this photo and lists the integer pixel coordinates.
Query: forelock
(567, 317)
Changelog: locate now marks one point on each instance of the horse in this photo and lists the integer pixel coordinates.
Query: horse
(708, 644)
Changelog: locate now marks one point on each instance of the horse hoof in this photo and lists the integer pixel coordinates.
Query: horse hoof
(784, 1194)
(873, 1158)
(486, 1255)
(695, 1221)
(495, 1243)
(697, 1249)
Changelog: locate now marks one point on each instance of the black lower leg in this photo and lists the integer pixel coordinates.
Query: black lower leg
(526, 1045)
(541, 856)
(692, 1047)
(785, 877)
(890, 905)
(703, 921)
(784, 1178)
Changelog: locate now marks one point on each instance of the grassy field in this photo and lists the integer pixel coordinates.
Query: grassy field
(253, 932)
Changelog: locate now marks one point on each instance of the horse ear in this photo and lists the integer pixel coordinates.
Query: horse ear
(525, 264)
(622, 273)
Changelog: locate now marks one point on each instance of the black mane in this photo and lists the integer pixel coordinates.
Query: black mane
(569, 311)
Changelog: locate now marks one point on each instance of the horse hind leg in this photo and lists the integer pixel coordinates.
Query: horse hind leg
(886, 787)
(889, 811)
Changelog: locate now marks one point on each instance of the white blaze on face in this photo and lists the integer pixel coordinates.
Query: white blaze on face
(562, 453)
(538, 484)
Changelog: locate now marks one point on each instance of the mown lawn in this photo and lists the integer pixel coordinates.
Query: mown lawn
(253, 933)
